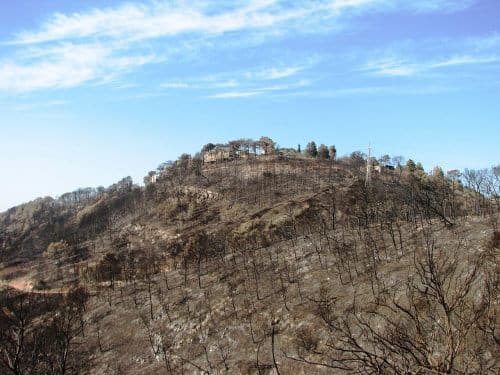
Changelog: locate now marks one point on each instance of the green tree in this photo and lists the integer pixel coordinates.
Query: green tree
(357, 159)
(323, 152)
(410, 164)
(183, 161)
(311, 149)
(208, 147)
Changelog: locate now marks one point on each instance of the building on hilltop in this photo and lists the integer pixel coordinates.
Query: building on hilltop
(239, 148)
(218, 154)
(383, 168)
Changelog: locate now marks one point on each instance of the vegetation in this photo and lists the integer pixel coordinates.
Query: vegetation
(283, 263)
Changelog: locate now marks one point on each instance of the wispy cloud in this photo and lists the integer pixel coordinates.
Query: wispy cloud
(464, 60)
(416, 58)
(101, 44)
(287, 86)
(398, 67)
(390, 67)
(253, 90)
(278, 73)
(67, 65)
(201, 83)
(234, 94)
(176, 85)
(166, 18)
(161, 18)
(30, 106)
(250, 83)
(443, 5)
(368, 90)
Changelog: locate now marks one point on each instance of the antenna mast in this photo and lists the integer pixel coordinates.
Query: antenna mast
(369, 166)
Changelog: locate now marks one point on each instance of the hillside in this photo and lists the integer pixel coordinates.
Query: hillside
(278, 263)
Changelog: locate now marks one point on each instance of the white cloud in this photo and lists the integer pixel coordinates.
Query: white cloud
(202, 83)
(234, 94)
(278, 73)
(369, 90)
(390, 67)
(285, 87)
(444, 5)
(161, 18)
(175, 85)
(255, 90)
(67, 65)
(156, 20)
(464, 60)
(260, 90)
(250, 80)
(403, 67)
(101, 44)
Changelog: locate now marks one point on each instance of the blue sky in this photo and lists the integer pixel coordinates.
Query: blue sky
(95, 90)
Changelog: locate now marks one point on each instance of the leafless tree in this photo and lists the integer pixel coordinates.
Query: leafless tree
(433, 327)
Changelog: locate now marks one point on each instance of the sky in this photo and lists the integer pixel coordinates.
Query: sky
(95, 90)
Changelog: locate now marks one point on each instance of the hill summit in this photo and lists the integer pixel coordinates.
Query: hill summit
(247, 258)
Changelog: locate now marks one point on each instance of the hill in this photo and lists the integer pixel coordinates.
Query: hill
(256, 263)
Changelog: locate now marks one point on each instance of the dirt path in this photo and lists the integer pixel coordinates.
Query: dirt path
(25, 284)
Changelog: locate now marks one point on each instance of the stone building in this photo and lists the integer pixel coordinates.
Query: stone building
(218, 154)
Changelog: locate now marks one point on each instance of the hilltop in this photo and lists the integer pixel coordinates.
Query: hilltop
(250, 259)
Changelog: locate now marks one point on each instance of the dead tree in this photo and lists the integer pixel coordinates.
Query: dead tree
(433, 325)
